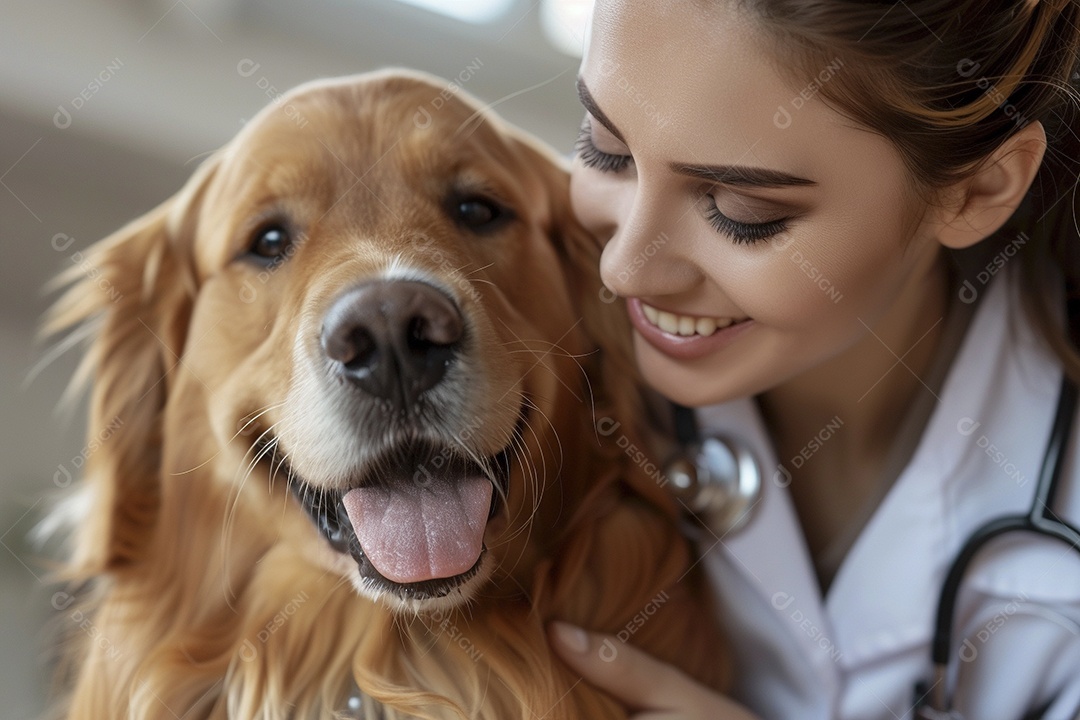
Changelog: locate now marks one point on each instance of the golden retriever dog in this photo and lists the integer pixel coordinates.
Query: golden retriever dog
(360, 388)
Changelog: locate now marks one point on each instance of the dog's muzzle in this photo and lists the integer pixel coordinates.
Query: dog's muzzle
(414, 517)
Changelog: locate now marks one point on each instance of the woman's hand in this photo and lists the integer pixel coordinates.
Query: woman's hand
(655, 690)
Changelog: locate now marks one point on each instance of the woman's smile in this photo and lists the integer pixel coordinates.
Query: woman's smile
(684, 337)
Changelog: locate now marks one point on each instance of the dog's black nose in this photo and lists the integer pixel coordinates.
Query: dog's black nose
(393, 338)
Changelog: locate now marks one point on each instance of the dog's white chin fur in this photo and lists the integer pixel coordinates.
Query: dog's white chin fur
(459, 596)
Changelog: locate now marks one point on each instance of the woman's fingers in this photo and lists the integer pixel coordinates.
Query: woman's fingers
(628, 674)
(637, 679)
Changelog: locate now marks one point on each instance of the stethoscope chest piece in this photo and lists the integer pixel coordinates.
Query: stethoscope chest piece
(719, 480)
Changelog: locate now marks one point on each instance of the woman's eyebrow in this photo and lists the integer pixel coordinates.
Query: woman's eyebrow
(740, 175)
(735, 175)
(593, 109)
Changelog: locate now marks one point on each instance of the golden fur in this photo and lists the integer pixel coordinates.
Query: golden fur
(215, 593)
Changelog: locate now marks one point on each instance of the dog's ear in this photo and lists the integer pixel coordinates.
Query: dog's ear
(131, 294)
(624, 555)
(603, 314)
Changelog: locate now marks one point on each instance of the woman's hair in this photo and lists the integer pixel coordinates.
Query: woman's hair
(947, 81)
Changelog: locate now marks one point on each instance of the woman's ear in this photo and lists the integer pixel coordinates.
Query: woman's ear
(134, 290)
(977, 207)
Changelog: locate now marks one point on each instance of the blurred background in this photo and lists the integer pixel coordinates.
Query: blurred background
(106, 106)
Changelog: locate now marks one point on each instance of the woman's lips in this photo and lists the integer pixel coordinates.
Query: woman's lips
(683, 347)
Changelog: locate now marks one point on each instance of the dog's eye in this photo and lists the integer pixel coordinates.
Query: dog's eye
(478, 213)
(270, 243)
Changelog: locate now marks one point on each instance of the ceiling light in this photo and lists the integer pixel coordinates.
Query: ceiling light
(472, 11)
(566, 24)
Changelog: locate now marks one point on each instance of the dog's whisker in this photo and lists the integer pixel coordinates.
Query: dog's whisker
(554, 430)
(461, 274)
(255, 416)
(549, 348)
(257, 445)
(233, 499)
(470, 276)
(538, 479)
(283, 462)
(557, 351)
(263, 449)
(537, 476)
(479, 269)
(484, 114)
(532, 477)
(258, 414)
(529, 480)
(237, 434)
(484, 281)
(237, 490)
(275, 468)
(584, 374)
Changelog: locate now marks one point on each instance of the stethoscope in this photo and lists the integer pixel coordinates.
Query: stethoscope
(932, 700)
(716, 477)
(719, 480)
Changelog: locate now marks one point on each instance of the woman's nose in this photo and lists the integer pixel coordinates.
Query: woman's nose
(632, 261)
(645, 256)
(641, 226)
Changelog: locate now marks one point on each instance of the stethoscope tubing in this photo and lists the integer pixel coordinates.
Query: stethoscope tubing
(1038, 520)
(1035, 521)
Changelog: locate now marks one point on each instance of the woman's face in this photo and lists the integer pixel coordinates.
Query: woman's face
(729, 197)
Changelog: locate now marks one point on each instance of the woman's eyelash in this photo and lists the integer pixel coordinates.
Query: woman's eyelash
(596, 159)
(740, 233)
(743, 233)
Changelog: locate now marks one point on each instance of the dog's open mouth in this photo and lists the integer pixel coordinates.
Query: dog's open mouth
(415, 523)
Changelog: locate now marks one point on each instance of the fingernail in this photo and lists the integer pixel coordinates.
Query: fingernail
(571, 636)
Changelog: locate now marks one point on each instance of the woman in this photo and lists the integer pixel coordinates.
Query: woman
(841, 230)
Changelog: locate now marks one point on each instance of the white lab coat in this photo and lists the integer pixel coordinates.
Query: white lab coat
(858, 653)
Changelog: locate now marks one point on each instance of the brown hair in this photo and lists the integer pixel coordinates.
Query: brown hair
(948, 81)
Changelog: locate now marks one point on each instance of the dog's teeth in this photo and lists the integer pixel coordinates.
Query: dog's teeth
(705, 326)
(668, 322)
(651, 313)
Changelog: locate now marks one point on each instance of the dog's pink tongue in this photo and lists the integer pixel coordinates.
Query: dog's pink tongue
(421, 532)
